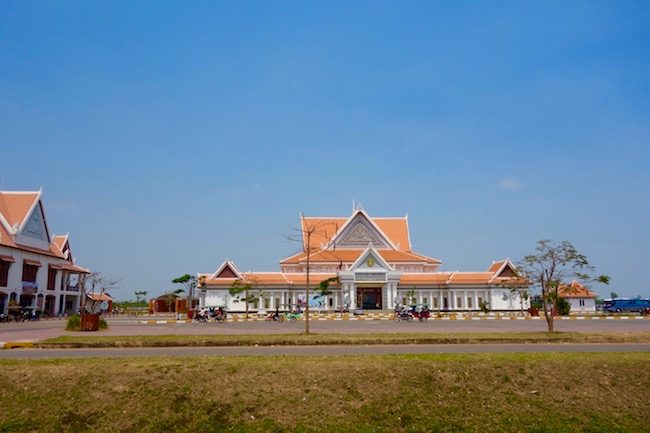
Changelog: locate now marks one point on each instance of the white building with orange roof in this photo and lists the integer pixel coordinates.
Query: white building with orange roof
(375, 266)
(578, 296)
(37, 269)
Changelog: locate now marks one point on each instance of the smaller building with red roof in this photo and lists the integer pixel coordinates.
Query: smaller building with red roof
(578, 296)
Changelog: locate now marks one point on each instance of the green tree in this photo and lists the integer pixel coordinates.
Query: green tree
(324, 287)
(140, 294)
(188, 284)
(613, 295)
(563, 307)
(553, 265)
(241, 292)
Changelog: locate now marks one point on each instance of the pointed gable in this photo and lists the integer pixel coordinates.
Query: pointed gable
(371, 260)
(15, 206)
(62, 243)
(35, 226)
(358, 232)
(227, 270)
(503, 269)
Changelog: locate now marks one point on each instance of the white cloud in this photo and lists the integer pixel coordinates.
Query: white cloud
(510, 183)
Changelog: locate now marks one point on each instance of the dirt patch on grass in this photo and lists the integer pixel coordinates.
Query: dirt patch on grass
(100, 341)
(450, 393)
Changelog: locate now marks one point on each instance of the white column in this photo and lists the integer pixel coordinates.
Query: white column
(353, 295)
(476, 307)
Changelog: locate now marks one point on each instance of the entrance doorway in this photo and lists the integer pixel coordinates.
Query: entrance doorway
(369, 298)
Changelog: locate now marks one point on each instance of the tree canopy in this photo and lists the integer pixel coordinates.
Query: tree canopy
(553, 265)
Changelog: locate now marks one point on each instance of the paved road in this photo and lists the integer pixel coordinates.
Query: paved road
(318, 350)
(47, 329)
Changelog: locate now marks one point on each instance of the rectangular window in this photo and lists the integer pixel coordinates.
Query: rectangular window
(435, 302)
(459, 302)
(4, 273)
(480, 301)
(331, 302)
(51, 278)
(469, 302)
(267, 303)
(29, 273)
(582, 302)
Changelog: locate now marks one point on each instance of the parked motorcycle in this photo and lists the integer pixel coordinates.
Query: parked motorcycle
(404, 315)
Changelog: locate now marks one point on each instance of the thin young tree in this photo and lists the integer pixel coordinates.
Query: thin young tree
(239, 288)
(554, 264)
(324, 287)
(97, 282)
(188, 284)
(305, 235)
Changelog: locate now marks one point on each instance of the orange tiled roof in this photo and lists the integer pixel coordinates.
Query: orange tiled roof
(496, 266)
(471, 277)
(265, 277)
(575, 290)
(314, 278)
(99, 296)
(425, 278)
(326, 228)
(59, 241)
(15, 205)
(350, 256)
(5, 238)
(396, 229)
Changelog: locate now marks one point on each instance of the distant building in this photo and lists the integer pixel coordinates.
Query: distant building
(578, 296)
(375, 267)
(37, 269)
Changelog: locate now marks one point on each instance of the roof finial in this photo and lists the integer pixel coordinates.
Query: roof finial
(359, 206)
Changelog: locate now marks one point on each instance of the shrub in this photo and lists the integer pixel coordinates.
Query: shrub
(74, 323)
(563, 307)
(102, 324)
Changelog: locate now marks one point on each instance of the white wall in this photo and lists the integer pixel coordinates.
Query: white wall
(14, 281)
(590, 304)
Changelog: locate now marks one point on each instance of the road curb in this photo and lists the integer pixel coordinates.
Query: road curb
(237, 318)
(17, 344)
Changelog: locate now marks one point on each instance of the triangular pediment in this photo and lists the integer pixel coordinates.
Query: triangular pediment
(358, 232)
(506, 270)
(34, 226)
(227, 270)
(371, 261)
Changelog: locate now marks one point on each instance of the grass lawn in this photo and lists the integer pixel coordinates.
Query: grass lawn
(553, 392)
(98, 340)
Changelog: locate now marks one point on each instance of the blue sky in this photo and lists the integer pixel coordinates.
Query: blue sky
(169, 136)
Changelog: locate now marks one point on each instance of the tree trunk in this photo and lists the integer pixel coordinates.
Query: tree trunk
(548, 316)
(307, 288)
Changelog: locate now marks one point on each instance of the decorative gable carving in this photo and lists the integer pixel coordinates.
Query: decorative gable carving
(35, 226)
(359, 233)
(227, 272)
